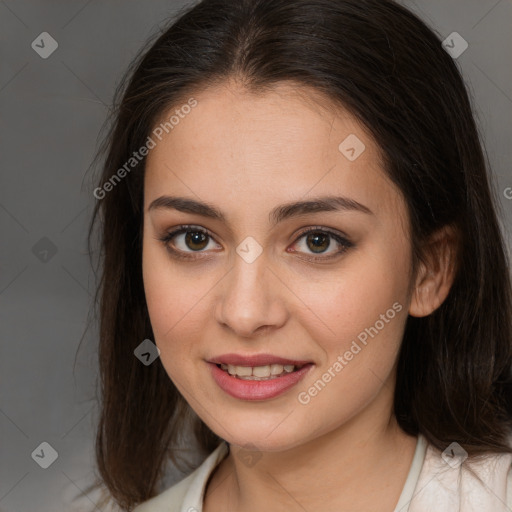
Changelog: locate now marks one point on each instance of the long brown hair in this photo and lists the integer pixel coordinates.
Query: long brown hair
(390, 71)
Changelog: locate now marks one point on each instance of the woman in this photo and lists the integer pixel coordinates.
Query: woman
(302, 266)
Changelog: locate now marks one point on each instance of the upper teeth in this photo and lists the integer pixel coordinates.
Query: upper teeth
(258, 371)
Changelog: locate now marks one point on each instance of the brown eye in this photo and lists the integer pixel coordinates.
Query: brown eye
(186, 240)
(318, 241)
(195, 240)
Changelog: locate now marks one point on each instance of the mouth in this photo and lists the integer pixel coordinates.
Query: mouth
(266, 372)
(262, 382)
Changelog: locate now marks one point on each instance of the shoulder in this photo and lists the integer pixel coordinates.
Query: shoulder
(449, 480)
(187, 492)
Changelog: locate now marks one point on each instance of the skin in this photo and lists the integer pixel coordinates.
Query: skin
(246, 154)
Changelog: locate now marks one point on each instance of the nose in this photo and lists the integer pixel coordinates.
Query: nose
(252, 299)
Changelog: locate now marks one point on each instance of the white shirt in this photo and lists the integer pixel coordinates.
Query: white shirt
(433, 484)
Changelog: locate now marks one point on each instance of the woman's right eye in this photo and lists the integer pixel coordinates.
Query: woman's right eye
(189, 237)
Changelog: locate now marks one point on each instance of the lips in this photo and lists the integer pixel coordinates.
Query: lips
(256, 360)
(257, 389)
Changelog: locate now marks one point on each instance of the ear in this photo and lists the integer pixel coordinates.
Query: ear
(435, 277)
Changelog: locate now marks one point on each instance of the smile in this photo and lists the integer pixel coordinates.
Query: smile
(257, 382)
(266, 372)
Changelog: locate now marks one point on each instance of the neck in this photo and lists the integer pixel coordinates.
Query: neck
(361, 465)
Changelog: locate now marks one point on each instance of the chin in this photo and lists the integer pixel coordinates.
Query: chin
(258, 439)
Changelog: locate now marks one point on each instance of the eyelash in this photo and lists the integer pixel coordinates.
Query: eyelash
(167, 237)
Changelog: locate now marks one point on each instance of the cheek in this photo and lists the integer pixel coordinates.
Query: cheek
(172, 291)
(357, 316)
(176, 300)
(157, 288)
(353, 298)
(358, 361)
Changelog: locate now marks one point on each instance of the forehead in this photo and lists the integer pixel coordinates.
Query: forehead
(281, 145)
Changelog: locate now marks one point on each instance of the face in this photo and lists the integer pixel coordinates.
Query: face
(324, 285)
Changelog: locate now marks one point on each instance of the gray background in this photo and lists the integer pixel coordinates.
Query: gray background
(51, 112)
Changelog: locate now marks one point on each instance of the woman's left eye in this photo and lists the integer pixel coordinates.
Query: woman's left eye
(317, 240)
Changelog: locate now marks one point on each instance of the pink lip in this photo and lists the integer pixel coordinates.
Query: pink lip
(257, 389)
(254, 360)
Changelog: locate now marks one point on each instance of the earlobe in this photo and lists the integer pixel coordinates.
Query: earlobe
(436, 275)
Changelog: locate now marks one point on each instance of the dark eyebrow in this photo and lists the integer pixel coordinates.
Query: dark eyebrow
(278, 214)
